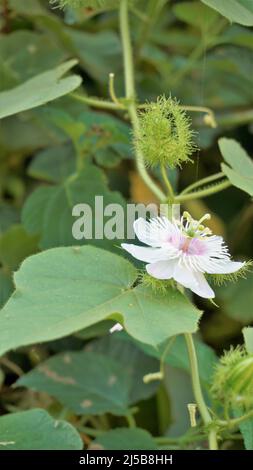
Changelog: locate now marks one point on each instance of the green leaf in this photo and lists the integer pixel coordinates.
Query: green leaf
(196, 14)
(237, 11)
(48, 211)
(107, 159)
(95, 331)
(237, 35)
(64, 290)
(34, 208)
(69, 125)
(97, 134)
(30, 134)
(8, 216)
(248, 338)
(37, 430)
(6, 287)
(53, 164)
(98, 53)
(85, 382)
(109, 133)
(29, 7)
(124, 439)
(94, 4)
(178, 388)
(39, 90)
(236, 299)
(15, 245)
(35, 54)
(134, 362)
(74, 380)
(246, 428)
(240, 169)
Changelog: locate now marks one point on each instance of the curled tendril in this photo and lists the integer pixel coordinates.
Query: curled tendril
(165, 135)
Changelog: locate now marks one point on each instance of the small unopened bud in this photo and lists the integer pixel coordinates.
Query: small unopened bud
(209, 120)
(165, 136)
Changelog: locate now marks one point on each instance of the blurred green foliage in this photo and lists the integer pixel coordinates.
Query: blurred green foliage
(65, 149)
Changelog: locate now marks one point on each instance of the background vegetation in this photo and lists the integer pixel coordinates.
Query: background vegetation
(183, 49)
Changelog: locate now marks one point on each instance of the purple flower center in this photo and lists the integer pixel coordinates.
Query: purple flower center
(190, 246)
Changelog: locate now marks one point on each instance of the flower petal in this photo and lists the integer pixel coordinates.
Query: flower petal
(161, 269)
(225, 267)
(202, 288)
(143, 253)
(193, 280)
(184, 276)
(155, 232)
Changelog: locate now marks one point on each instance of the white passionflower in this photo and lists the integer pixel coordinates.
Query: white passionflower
(182, 250)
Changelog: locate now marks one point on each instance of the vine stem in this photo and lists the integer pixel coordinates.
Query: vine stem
(228, 119)
(130, 95)
(130, 420)
(131, 106)
(203, 192)
(236, 421)
(207, 419)
(167, 183)
(202, 109)
(90, 431)
(96, 102)
(202, 182)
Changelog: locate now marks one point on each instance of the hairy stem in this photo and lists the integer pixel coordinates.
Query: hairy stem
(203, 192)
(237, 421)
(130, 420)
(202, 109)
(185, 439)
(167, 183)
(130, 95)
(131, 106)
(202, 182)
(198, 392)
(97, 103)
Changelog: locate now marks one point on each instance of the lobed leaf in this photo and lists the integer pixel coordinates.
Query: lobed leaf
(240, 167)
(237, 11)
(48, 211)
(248, 338)
(37, 430)
(64, 290)
(124, 439)
(39, 90)
(85, 382)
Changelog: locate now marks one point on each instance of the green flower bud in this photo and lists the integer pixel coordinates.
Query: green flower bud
(165, 136)
(233, 378)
